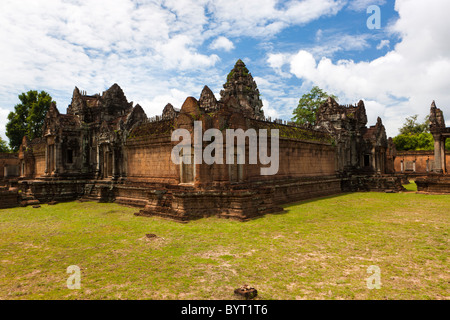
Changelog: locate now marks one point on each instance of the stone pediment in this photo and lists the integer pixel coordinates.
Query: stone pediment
(114, 101)
(169, 112)
(190, 106)
(207, 100)
(52, 123)
(135, 117)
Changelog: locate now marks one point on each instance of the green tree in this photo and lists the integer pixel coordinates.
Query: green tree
(3, 146)
(422, 141)
(405, 142)
(416, 136)
(28, 117)
(309, 103)
(412, 126)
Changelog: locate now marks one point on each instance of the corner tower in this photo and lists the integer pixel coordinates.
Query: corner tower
(242, 87)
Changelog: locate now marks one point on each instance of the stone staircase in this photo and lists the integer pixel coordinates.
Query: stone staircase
(27, 198)
(90, 193)
(98, 191)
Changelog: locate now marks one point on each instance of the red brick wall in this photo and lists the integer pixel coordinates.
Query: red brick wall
(420, 157)
(149, 160)
(8, 159)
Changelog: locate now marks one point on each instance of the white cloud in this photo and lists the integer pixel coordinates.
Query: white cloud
(3, 120)
(333, 42)
(147, 47)
(269, 111)
(177, 53)
(303, 65)
(222, 43)
(54, 45)
(328, 43)
(154, 106)
(401, 83)
(266, 18)
(362, 5)
(382, 44)
(277, 97)
(277, 61)
(308, 10)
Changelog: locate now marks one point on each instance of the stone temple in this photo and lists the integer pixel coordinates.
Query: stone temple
(105, 149)
(437, 179)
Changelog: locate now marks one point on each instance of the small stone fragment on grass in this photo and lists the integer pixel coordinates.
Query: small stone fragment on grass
(246, 291)
(151, 235)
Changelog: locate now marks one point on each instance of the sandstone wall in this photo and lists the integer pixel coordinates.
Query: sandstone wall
(9, 163)
(8, 198)
(434, 184)
(420, 158)
(55, 190)
(39, 163)
(303, 159)
(242, 204)
(191, 204)
(149, 160)
(300, 189)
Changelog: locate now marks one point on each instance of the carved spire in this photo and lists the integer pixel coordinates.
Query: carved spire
(78, 105)
(436, 117)
(361, 104)
(379, 122)
(361, 114)
(76, 93)
(240, 84)
(53, 108)
(114, 100)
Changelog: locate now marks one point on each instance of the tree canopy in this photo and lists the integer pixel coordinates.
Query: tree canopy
(412, 126)
(3, 146)
(415, 135)
(28, 117)
(309, 103)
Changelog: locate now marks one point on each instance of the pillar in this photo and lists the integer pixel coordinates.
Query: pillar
(97, 165)
(46, 160)
(374, 159)
(50, 163)
(443, 164)
(437, 153)
(353, 154)
(378, 161)
(56, 158)
(113, 160)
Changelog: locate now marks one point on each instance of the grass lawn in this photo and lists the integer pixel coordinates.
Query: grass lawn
(317, 249)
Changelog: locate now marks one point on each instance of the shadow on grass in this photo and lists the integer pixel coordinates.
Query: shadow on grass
(337, 195)
(286, 206)
(284, 209)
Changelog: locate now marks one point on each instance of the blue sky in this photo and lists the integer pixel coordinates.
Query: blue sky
(165, 51)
